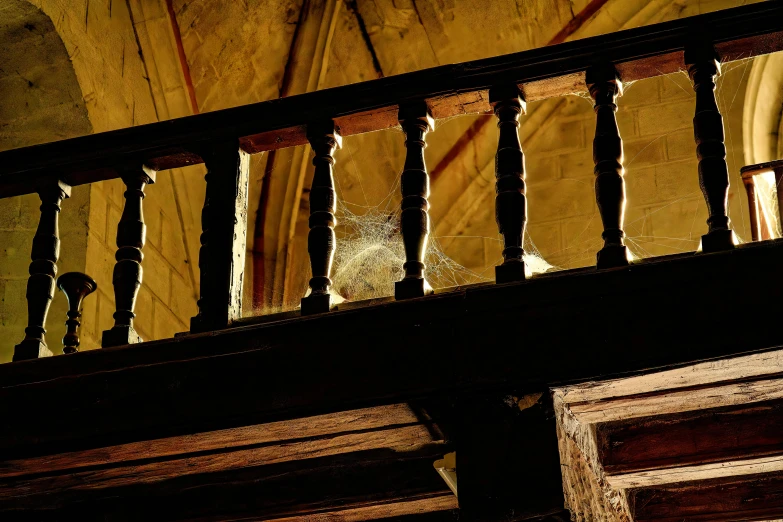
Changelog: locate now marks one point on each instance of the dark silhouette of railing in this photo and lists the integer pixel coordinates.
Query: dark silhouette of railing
(222, 140)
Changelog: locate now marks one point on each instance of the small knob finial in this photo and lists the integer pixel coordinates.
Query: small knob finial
(76, 286)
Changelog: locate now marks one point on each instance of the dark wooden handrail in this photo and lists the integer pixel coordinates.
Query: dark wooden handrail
(223, 140)
(449, 90)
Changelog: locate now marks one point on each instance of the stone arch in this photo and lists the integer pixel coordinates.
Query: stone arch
(41, 101)
(763, 110)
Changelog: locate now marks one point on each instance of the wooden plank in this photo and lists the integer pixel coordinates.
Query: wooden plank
(438, 508)
(709, 373)
(289, 432)
(287, 489)
(665, 403)
(449, 90)
(713, 470)
(692, 438)
(143, 471)
(241, 376)
(755, 497)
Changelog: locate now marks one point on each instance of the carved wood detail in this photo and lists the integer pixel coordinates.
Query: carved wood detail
(510, 202)
(43, 269)
(605, 86)
(416, 122)
(221, 258)
(128, 273)
(76, 286)
(703, 68)
(324, 139)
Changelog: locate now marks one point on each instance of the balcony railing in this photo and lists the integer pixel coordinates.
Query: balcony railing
(222, 140)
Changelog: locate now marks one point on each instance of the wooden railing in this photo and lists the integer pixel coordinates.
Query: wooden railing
(222, 140)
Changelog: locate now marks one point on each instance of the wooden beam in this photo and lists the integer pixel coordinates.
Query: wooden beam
(356, 480)
(445, 343)
(692, 438)
(755, 497)
(431, 509)
(307, 437)
(369, 106)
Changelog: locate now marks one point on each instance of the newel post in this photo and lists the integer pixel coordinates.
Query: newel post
(43, 269)
(416, 122)
(221, 258)
(510, 202)
(605, 87)
(324, 139)
(703, 68)
(128, 273)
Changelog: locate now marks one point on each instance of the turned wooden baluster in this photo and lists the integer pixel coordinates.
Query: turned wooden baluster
(128, 273)
(605, 86)
(43, 269)
(416, 121)
(221, 258)
(324, 139)
(510, 202)
(76, 286)
(703, 67)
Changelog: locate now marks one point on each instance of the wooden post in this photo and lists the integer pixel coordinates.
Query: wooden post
(43, 269)
(753, 207)
(324, 139)
(416, 122)
(128, 274)
(508, 463)
(605, 86)
(221, 258)
(510, 202)
(703, 67)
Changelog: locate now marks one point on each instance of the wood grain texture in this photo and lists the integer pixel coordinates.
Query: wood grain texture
(353, 421)
(286, 489)
(437, 508)
(744, 367)
(692, 438)
(755, 497)
(448, 90)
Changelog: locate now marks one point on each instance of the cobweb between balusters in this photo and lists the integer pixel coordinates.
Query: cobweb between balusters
(581, 247)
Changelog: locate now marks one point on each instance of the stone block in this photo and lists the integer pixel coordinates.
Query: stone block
(677, 180)
(183, 298)
(100, 264)
(581, 241)
(558, 135)
(166, 324)
(643, 152)
(157, 274)
(547, 238)
(540, 169)
(173, 247)
(99, 217)
(9, 212)
(561, 199)
(665, 117)
(145, 316)
(680, 145)
(640, 188)
(640, 93)
(29, 211)
(626, 123)
(679, 226)
(577, 165)
(15, 248)
(676, 86)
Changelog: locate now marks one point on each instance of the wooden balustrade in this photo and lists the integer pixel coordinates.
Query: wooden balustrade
(416, 122)
(128, 273)
(510, 202)
(43, 270)
(324, 139)
(221, 259)
(605, 87)
(223, 141)
(703, 68)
